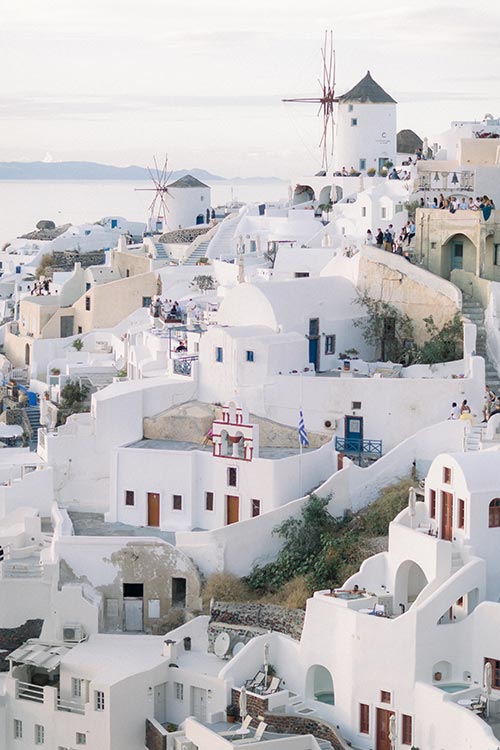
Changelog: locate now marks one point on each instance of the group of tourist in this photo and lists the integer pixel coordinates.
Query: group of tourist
(454, 204)
(491, 405)
(390, 242)
(40, 288)
(168, 310)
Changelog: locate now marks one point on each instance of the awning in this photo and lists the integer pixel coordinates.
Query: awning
(38, 654)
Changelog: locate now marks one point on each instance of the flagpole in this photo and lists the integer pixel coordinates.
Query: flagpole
(300, 440)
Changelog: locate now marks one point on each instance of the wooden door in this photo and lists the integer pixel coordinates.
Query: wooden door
(383, 739)
(232, 509)
(446, 516)
(153, 509)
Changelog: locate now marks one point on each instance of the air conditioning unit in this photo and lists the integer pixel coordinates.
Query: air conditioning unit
(73, 633)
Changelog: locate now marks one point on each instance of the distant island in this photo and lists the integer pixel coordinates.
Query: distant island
(87, 170)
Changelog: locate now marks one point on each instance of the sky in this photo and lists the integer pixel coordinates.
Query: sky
(118, 81)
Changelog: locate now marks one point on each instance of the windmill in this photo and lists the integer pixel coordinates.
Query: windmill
(326, 100)
(158, 207)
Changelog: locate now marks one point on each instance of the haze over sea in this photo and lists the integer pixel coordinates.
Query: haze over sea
(24, 202)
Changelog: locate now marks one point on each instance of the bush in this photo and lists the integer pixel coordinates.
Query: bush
(371, 172)
(225, 587)
(294, 594)
(46, 267)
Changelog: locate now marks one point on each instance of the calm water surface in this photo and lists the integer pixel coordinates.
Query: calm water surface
(24, 202)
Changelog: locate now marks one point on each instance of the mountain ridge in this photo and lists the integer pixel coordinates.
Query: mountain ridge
(87, 170)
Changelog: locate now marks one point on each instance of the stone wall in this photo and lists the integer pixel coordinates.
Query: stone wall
(156, 736)
(293, 724)
(262, 617)
(256, 705)
(64, 260)
(12, 638)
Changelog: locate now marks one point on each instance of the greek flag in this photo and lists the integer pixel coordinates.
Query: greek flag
(303, 439)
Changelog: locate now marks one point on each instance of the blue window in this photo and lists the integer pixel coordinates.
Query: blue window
(114, 223)
(219, 354)
(250, 355)
(362, 164)
(354, 122)
(87, 286)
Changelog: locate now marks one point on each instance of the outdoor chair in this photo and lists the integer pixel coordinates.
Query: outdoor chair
(256, 737)
(273, 685)
(237, 730)
(255, 681)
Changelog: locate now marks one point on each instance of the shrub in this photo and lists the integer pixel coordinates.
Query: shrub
(77, 344)
(294, 593)
(46, 267)
(371, 172)
(225, 587)
(204, 282)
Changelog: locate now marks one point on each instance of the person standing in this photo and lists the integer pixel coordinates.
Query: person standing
(455, 411)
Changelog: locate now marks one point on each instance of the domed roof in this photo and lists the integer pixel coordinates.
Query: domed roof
(367, 90)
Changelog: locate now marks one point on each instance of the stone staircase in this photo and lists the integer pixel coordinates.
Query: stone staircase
(161, 253)
(475, 313)
(198, 253)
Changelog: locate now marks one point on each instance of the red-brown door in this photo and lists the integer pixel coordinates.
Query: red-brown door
(233, 509)
(153, 509)
(446, 516)
(383, 719)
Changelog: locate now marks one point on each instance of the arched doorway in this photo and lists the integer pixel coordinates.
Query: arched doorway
(458, 253)
(302, 194)
(410, 580)
(319, 685)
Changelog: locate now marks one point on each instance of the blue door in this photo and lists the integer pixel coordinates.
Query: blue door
(114, 223)
(313, 352)
(457, 255)
(353, 433)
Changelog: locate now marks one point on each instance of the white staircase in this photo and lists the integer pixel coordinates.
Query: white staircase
(474, 312)
(222, 242)
(474, 438)
(296, 703)
(161, 253)
(198, 253)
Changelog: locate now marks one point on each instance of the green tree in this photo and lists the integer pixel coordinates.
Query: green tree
(73, 400)
(386, 328)
(443, 345)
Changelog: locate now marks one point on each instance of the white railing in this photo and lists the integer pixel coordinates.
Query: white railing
(29, 692)
(70, 706)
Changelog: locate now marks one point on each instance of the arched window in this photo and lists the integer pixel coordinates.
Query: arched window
(494, 513)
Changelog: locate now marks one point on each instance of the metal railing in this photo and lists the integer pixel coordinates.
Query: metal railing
(29, 692)
(357, 446)
(184, 365)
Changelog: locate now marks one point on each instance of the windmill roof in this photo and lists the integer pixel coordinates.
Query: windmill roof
(188, 181)
(367, 90)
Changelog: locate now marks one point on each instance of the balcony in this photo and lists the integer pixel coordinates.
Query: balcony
(357, 447)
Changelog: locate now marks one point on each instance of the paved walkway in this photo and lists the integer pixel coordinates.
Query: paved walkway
(93, 524)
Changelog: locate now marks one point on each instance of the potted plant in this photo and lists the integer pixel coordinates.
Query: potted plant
(231, 713)
(77, 344)
(371, 172)
(55, 371)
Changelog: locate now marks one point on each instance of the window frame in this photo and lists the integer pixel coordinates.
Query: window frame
(209, 501)
(18, 729)
(250, 355)
(176, 502)
(354, 122)
(364, 718)
(229, 474)
(256, 505)
(432, 503)
(76, 687)
(495, 672)
(496, 253)
(219, 354)
(330, 343)
(494, 513)
(99, 700)
(461, 513)
(385, 696)
(39, 734)
(447, 475)
(406, 729)
(130, 495)
(88, 303)
(179, 691)
(79, 736)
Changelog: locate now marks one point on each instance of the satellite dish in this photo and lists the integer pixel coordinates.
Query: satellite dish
(222, 643)
(237, 647)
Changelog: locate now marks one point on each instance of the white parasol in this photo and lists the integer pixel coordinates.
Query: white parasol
(392, 731)
(487, 681)
(243, 703)
(266, 661)
(412, 503)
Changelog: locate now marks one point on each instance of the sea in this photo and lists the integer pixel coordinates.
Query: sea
(24, 202)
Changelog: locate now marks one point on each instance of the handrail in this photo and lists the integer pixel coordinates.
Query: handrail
(70, 706)
(29, 692)
(356, 445)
